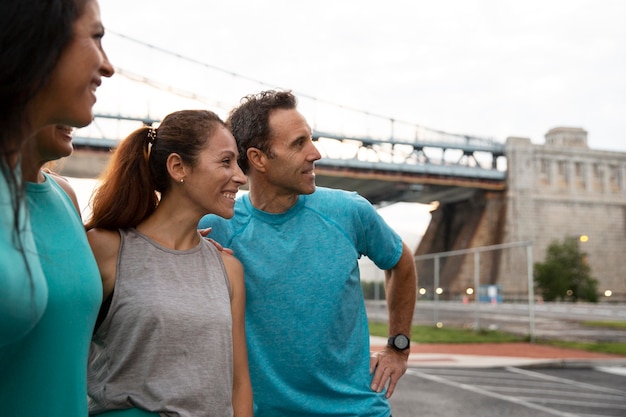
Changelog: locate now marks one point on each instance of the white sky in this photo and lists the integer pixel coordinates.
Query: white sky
(490, 68)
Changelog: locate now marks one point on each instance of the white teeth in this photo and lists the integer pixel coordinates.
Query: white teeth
(229, 195)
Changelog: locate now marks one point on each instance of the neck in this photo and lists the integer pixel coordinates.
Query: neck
(172, 226)
(31, 164)
(31, 172)
(271, 202)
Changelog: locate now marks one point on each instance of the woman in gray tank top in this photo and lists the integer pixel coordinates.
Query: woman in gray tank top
(170, 339)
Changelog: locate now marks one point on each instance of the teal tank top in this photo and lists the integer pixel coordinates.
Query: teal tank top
(49, 377)
(23, 289)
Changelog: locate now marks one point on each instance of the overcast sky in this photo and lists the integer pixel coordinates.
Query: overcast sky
(490, 68)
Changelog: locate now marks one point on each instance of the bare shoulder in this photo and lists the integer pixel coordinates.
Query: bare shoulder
(235, 273)
(105, 245)
(231, 263)
(61, 180)
(66, 186)
(104, 241)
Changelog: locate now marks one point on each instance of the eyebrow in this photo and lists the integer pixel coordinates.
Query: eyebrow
(98, 26)
(227, 153)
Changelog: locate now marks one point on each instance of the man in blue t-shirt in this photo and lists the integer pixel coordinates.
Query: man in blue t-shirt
(306, 324)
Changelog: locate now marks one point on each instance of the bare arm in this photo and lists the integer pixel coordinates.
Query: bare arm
(401, 290)
(242, 387)
(105, 245)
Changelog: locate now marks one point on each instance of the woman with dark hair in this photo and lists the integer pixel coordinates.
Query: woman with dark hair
(51, 63)
(170, 337)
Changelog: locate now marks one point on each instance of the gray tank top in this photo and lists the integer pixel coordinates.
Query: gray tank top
(166, 343)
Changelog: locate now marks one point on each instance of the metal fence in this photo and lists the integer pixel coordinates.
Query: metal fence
(482, 289)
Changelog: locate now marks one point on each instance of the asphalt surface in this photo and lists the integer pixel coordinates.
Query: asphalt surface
(511, 379)
(511, 392)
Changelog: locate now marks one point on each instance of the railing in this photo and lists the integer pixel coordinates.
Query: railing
(476, 253)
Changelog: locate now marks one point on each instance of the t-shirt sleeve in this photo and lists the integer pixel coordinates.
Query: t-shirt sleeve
(375, 238)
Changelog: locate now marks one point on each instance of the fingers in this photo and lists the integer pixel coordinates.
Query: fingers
(386, 376)
(216, 244)
(393, 381)
(205, 232)
(388, 370)
(373, 362)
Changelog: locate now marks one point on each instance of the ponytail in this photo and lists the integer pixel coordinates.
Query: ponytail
(126, 194)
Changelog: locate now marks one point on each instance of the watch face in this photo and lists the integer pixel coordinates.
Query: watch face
(401, 342)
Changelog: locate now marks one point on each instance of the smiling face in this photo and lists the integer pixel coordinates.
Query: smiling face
(48, 144)
(69, 95)
(290, 170)
(214, 181)
(53, 142)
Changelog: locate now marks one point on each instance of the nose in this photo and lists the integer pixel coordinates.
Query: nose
(239, 177)
(314, 154)
(106, 69)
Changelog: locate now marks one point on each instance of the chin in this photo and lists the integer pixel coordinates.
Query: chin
(83, 122)
(66, 154)
(81, 119)
(227, 214)
(308, 190)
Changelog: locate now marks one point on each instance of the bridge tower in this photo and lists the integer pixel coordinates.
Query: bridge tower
(564, 188)
(559, 189)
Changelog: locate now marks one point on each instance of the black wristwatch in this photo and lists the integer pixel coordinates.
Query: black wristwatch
(399, 342)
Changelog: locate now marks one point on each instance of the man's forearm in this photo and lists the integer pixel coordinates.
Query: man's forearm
(401, 291)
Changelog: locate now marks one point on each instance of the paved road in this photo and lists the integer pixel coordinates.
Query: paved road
(549, 320)
(511, 392)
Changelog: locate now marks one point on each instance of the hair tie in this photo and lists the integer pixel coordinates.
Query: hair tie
(152, 136)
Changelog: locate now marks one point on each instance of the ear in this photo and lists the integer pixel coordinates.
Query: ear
(176, 167)
(256, 159)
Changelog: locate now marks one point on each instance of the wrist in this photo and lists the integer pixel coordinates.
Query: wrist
(400, 342)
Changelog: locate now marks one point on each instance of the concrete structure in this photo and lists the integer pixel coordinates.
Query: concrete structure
(84, 163)
(561, 189)
(555, 190)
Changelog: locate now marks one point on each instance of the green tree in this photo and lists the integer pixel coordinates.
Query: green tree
(565, 273)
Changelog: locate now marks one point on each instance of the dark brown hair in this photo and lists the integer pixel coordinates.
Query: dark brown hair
(249, 123)
(33, 35)
(137, 174)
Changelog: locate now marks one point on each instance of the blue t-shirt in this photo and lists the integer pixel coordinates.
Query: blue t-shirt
(49, 375)
(23, 289)
(306, 324)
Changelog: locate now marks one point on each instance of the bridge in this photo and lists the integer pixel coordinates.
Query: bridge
(383, 170)
(489, 193)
